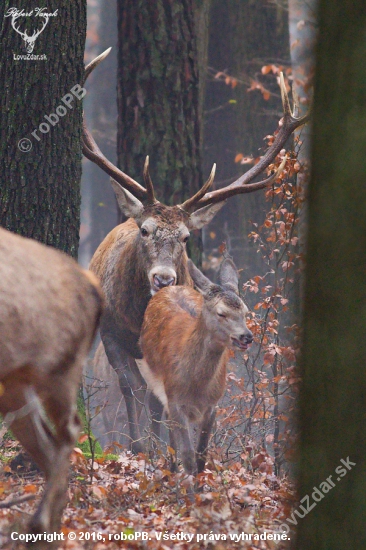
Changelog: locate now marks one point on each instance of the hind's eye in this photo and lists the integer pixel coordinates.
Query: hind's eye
(186, 238)
(144, 232)
(222, 315)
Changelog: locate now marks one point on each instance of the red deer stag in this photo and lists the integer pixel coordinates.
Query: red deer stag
(147, 252)
(185, 339)
(49, 312)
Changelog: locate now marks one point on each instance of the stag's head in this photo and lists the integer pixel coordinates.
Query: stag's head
(163, 230)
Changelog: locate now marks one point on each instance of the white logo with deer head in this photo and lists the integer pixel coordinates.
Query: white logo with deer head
(40, 13)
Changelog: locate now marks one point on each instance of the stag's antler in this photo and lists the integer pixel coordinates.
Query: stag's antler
(288, 124)
(149, 184)
(189, 203)
(92, 152)
(242, 185)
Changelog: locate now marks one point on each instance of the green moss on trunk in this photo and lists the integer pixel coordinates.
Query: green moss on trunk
(333, 402)
(158, 96)
(40, 189)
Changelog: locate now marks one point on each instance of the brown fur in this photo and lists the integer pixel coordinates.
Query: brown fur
(49, 311)
(122, 262)
(185, 341)
(121, 266)
(172, 343)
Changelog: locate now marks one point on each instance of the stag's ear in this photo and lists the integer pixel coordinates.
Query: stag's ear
(200, 281)
(129, 205)
(204, 215)
(229, 278)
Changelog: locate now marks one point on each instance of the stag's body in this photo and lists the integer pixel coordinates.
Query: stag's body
(49, 310)
(122, 265)
(185, 339)
(128, 265)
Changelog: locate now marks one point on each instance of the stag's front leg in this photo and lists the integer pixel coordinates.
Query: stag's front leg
(202, 447)
(130, 384)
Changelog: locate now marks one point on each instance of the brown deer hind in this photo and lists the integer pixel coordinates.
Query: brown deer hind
(49, 312)
(147, 253)
(185, 339)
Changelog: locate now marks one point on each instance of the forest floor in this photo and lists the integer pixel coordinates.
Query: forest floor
(131, 503)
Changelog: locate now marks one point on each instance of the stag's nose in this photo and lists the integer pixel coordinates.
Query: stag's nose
(247, 337)
(160, 281)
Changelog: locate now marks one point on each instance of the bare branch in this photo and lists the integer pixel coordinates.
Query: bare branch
(16, 501)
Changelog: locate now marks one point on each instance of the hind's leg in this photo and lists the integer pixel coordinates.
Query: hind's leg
(61, 408)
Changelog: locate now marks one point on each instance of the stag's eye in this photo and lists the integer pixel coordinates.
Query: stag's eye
(144, 232)
(186, 238)
(222, 315)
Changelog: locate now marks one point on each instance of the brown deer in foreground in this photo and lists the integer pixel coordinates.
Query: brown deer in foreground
(147, 253)
(185, 339)
(49, 312)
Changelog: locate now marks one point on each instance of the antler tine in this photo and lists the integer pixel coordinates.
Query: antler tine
(296, 101)
(92, 152)
(242, 185)
(91, 66)
(190, 203)
(284, 96)
(148, 183)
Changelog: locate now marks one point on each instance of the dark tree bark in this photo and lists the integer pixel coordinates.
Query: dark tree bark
(333, 399)
(158, 96)
(40, 189)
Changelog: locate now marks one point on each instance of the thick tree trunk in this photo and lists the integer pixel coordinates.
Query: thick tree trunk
(40, 189)
(158, 96)
(202, 10)
(333, 400)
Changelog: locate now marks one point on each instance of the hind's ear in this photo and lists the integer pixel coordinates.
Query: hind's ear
(200, 280)
(229, 278)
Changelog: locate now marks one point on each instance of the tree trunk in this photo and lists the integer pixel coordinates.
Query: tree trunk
(40, 189)
(333, 400)
(158, 97)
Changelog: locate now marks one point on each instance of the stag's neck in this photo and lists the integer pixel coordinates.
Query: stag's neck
(137, 291)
